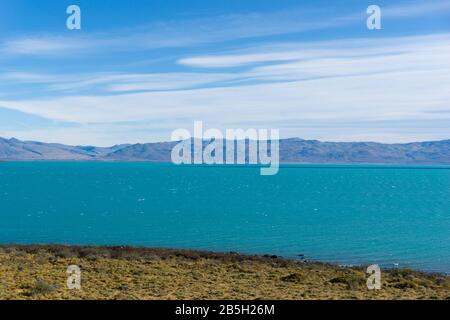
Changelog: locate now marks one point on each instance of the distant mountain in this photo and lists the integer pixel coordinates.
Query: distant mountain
(291, 151)
(313, 151)
(13, 149)
(160, 151)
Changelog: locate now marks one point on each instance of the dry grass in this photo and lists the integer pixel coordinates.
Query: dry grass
(39, 272)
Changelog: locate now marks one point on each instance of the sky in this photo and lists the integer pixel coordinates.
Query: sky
(137, 70)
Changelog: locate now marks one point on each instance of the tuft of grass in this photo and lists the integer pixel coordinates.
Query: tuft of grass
(352, 281)
(293, 277)
(405, 284)
(41, 287)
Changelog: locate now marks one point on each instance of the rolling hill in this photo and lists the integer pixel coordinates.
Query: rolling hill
(292, 150)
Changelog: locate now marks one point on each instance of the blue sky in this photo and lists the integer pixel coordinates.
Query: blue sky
(137, 70)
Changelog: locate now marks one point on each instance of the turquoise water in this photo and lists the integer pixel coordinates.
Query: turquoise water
(343, 214)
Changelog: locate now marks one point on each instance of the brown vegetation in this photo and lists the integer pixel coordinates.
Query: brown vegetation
(39, 272)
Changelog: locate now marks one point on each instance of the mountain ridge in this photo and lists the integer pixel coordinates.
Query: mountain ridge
(292, 150)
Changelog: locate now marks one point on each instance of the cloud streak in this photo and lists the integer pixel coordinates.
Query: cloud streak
(167, 34)
(417, 8)
(314, 89)
(405, 86)
(222, 28)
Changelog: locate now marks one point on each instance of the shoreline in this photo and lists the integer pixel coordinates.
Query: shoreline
(199, 253)
(121, 272)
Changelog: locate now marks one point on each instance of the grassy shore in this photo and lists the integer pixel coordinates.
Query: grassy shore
(39, 272)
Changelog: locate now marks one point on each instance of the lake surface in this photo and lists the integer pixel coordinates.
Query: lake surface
(345, 214)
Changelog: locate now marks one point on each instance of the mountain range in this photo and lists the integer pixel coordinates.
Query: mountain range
(293, 150)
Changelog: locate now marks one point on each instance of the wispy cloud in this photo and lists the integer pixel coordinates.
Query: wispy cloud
(332, 88)
(342, 49)
(312, 89)
(417, 8)
(279, 62)
(43, 46)
(176, 33)
(182, 33)
(116, 82)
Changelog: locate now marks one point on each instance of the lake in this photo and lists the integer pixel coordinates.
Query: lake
(389, 215)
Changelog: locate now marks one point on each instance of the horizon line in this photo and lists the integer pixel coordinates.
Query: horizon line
(247, 139)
